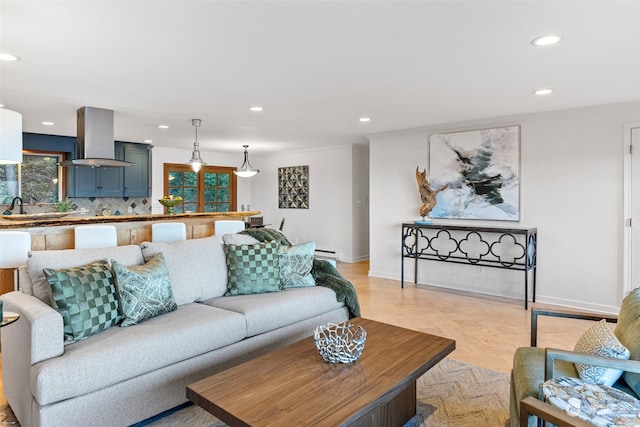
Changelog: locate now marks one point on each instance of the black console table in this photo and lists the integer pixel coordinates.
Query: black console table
(512, 248)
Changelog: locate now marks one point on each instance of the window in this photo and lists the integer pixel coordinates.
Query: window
(38, 179)
(213, 189)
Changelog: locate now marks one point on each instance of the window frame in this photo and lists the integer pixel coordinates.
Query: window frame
(62, 177)
(200, 187)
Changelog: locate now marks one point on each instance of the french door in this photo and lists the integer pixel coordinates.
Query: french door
(212, 189)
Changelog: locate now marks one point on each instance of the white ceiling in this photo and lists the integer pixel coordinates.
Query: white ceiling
(315, 66)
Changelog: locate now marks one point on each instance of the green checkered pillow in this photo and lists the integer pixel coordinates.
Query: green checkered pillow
(144, 290)
(85, 297)
(253, 269)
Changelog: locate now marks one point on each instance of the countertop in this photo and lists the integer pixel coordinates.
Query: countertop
(78, 220)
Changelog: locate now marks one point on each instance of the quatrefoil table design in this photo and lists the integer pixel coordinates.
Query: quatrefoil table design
(513, 248)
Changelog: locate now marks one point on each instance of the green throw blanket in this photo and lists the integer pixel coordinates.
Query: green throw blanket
(323, 272)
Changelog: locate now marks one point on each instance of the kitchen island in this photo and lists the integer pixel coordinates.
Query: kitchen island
(57, 233)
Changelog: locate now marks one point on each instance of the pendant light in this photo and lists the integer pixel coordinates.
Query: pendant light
(196, 161)
(11, 137)
(246, 170)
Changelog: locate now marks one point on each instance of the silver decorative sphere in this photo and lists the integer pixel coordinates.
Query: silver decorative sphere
(340, 343)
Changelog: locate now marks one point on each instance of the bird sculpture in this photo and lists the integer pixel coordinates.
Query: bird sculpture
(427, 195)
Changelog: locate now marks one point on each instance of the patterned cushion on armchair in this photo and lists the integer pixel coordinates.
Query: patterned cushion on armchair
(596, 403)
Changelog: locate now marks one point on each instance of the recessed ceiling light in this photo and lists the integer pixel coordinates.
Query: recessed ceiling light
(8, 57)
(543, 91)
(48, 123)
(545, 40)
(256, 108)
(364, 119)
(147, 141)
(1, 105)
(163, 126)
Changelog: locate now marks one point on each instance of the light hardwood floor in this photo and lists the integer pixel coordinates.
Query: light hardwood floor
(487, 330)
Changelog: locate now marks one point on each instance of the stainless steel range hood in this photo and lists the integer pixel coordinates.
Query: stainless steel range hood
(96, 147)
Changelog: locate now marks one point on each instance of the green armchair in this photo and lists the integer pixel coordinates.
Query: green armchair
(533, 365)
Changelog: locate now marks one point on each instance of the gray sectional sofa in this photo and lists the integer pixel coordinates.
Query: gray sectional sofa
(123, 375)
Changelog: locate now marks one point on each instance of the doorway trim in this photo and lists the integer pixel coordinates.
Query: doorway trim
(627, 208)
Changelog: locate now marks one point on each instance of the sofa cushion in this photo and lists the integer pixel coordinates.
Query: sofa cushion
(85, 297)
(66, 258)
(296, 263)
(118, 354)
(197, 267)
(601, 341)
(253, 269)
(628, 332)
(144, 290)
(269, 311)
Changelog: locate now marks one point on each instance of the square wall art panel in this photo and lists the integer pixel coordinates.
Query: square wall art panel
(293, 187)
(481, 169)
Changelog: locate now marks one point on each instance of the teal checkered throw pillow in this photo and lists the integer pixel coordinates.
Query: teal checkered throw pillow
(253, 269)
(85, 297)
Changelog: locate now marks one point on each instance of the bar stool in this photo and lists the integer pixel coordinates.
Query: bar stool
(168, 231)
(228, 227)
(95, 236)
(14, 251)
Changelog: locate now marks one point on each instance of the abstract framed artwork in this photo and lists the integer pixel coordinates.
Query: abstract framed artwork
(481, 169)
(293, 187)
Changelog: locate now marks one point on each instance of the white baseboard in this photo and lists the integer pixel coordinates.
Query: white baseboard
(382, 275)
(356, 259)
(568, 303)
(581, 305)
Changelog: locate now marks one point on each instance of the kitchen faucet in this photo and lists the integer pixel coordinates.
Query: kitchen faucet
(13, 204)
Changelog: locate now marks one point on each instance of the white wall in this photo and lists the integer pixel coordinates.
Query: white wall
(330, 217)
(339, 179)
(161, 155)
(571, 190)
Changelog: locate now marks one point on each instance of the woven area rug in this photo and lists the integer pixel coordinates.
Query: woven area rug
(451, 394)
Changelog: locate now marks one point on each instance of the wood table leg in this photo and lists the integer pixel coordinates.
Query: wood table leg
(396, 412)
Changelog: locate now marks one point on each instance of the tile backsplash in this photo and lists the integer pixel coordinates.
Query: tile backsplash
(93, 206)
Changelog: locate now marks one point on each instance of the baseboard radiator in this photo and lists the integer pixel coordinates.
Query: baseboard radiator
(327, 255)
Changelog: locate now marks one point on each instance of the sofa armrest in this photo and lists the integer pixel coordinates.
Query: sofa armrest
(552, 354)
(570, 314)
(544, 411)
(37, 335)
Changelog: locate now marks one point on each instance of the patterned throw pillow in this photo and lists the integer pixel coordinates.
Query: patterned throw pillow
(253, 269)
(295, 265)
(601, 341)
(85, 297)
(144, 290)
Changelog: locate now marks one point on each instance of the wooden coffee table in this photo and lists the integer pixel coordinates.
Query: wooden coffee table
(293, 386)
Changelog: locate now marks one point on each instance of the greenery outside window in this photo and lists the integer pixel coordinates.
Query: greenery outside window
(213, 189)
(38, 179)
